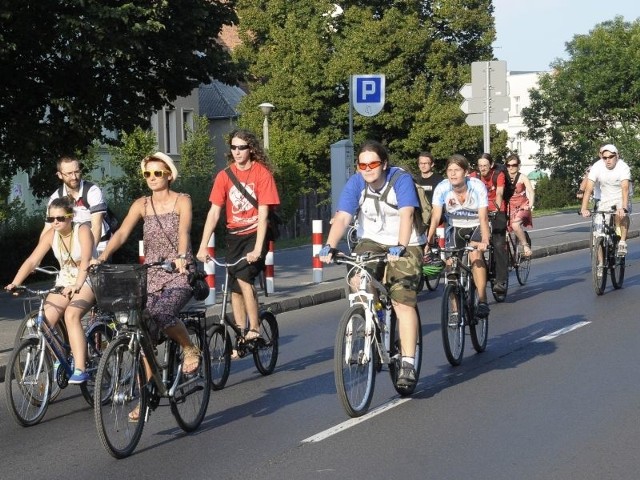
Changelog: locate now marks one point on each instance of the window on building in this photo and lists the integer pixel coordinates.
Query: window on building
(516, 104)
(170, 140)
(187, 123)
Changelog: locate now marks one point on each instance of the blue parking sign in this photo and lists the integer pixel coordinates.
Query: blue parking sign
(368, 94)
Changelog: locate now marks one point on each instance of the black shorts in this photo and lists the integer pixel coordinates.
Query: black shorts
(456, 237)
(237, 247)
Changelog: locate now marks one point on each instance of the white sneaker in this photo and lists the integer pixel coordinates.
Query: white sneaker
(622, 249)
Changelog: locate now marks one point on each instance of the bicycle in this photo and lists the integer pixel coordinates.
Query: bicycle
(122, 379)
(431, 276)
(264, 348)
(459, 304)
(368, 338)
(603, 252)
(44, 356)
(352, 235)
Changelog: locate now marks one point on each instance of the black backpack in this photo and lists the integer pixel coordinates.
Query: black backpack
(509, 186)
(110, 218)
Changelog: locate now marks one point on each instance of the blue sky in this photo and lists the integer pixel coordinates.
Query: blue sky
(532, 33)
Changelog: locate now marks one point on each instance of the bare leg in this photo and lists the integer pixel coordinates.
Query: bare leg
(407, 328)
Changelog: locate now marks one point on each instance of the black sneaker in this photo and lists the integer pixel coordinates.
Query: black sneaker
(406, 375)
(482, 310)
(500, 288)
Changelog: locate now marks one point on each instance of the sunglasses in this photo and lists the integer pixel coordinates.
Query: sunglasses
(239, 147)
(60, 218)
(370, 165)
(155, 173)
(512, 164)
(609, 157)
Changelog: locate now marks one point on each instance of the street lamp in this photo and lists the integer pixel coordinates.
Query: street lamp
(266, 109)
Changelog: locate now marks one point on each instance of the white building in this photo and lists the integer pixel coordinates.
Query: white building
(519, 85)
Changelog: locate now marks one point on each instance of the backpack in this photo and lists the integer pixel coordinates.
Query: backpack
(422, 214)
(110, 218)
(509, 186)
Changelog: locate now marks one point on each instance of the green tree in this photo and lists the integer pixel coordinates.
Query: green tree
(300, 55)
(74, 71)
(590, 99)
(196, 153)
(133, 148)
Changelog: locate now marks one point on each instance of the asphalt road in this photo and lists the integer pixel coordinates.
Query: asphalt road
(555, 396)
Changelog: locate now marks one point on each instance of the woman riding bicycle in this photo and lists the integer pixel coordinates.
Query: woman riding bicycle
(464, 202)
(167, 222)
(72, 244)
(521, 203)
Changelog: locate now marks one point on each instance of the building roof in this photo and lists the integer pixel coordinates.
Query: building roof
(218, 100)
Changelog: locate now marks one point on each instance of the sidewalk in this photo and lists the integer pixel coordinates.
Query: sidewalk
(294, 291)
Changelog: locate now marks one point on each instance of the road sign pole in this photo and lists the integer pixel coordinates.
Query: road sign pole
(487, 110)
(350, 110)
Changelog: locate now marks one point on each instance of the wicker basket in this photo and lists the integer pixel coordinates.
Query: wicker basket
(119, 287)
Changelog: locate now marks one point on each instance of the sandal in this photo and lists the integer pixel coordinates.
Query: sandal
(252, 334)
(134, 415)
(190, 359)
(526, 250)
(234, 354)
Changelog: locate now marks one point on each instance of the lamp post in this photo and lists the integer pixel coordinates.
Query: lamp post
(266, 109)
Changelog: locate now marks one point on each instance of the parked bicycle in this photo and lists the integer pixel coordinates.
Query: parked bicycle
(516, 260)
(459, 305)
(368, 338)
(264, 348)
(42, 359)
(122, 382)
(603, 251)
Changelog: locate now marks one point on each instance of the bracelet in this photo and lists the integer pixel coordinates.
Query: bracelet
(182, 256)
(580, 191)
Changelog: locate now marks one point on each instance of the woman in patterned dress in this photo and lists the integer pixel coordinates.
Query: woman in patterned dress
(166, 235)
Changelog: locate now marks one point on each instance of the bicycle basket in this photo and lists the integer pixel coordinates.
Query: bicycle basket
(119, 287)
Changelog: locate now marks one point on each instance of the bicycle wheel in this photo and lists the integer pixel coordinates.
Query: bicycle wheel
(121, 378)
(98, 337)
(396, 354)
(353, 363)
(219, 355)
(598, 266)
(478, 327)
(452, 325)
(523, 265)
(265, 353)
(28, 329)
(27, 382)
(617, 265)
(191, 398)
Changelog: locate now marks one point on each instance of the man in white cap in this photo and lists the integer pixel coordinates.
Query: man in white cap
(614, 177)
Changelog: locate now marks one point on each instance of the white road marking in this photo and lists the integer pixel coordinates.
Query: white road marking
(399, 401)
(562, 331)
(355, 421)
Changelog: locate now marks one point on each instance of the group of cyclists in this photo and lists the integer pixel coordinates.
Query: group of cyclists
(76, 226)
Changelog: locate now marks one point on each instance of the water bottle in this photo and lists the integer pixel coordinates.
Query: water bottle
(379, 309)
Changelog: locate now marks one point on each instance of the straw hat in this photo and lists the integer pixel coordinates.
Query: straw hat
(163, 157)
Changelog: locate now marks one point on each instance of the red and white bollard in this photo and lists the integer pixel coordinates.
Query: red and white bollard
(210, 270)
(316, 240)
(140, 252)
(269, 270)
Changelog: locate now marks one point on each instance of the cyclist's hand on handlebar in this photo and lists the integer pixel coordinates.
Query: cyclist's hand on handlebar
(482, 246)
(253, 256)
(11, 288)
(327, 253)
(396, 252)
(585, 212)
(203, 255)
(180, 264)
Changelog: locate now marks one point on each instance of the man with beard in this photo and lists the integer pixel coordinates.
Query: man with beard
(90, 210)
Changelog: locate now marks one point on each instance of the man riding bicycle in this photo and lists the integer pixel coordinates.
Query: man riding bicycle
(383, 227)
(464, 202)
(614, 176)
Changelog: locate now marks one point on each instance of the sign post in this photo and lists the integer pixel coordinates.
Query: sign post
(486, 97)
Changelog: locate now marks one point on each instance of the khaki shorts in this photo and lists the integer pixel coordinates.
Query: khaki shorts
(402, 277)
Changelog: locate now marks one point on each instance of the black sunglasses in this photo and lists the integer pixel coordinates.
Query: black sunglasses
(60, 218)
(239, 147)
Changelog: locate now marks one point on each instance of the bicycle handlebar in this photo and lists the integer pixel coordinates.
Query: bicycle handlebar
(225, 265)
(366, 257)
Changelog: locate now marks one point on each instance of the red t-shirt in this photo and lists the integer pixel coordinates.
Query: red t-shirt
(242, 216)
(491, 188)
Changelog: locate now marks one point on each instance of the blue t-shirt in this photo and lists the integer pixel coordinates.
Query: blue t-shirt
(380, 224)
